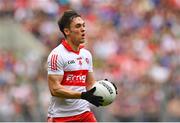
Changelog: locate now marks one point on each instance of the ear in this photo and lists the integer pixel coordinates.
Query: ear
(66, 31)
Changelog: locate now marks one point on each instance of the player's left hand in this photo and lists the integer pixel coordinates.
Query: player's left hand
(113, 85)
(89, 96)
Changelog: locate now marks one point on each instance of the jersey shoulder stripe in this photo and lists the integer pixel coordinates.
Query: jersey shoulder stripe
(54, 62)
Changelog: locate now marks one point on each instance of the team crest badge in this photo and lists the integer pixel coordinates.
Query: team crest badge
(87, 60)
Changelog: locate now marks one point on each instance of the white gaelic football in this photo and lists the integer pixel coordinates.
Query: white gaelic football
(106, 90)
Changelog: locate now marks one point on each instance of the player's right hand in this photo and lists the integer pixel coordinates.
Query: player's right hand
(95, 100)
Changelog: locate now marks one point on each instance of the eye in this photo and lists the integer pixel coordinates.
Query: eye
(78, 25)
(83, 24)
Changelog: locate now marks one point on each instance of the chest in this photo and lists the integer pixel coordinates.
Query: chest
(76, 62)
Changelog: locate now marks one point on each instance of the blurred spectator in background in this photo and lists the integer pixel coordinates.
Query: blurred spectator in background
(135, 44)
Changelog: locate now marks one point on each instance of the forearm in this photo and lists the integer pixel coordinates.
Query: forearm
(90, 81)
(65, 93)
(89, 86)
(59, 90)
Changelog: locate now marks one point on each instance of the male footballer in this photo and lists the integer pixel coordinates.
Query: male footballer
(70, 74)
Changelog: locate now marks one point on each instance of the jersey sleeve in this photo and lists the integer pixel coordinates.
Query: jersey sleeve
(90, 63)
(55, 64)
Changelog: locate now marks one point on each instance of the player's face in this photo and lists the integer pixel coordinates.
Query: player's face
(77, 31)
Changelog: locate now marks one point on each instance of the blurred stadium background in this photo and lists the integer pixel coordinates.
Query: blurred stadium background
(135, 44)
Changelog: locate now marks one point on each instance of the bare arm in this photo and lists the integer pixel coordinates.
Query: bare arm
(90, 80)
(58, 90)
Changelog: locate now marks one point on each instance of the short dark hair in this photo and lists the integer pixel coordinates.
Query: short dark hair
(65, 20)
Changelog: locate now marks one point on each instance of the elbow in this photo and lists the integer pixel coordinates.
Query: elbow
(53, 92)
(57, 92)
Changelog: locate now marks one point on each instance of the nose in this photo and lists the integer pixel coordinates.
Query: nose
(83, 29)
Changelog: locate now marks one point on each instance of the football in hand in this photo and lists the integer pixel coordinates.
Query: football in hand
(105, 89)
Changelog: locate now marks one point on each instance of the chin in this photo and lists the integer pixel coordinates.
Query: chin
(82, 41)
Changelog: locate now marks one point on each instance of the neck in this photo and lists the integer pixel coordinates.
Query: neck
(74, 46)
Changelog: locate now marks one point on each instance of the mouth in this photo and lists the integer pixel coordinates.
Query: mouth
(83, 35)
